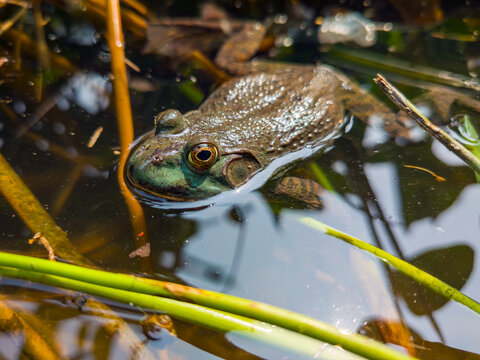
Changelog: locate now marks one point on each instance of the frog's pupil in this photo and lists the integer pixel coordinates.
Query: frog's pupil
(204, 155)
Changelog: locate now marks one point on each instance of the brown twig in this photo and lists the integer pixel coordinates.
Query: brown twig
(66, 191)
(38, 237)
(42, 48)
(76, 158)
(10, 22)
(137, 6)
(41, 110)
(404, 104)
(93, 139)
(21, 3)
(437, 177)
(124, 117)
(133, 22)
(29, 46)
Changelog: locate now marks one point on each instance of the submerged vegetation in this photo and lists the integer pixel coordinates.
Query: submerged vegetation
(80, 80)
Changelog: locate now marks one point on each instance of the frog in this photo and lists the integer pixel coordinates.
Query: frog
(266, 117)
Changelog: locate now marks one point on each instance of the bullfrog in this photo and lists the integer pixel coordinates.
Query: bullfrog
(258, 122)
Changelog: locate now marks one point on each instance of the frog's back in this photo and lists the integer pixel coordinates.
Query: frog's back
(275, 112)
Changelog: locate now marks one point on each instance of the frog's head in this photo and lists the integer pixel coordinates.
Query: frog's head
(179, 165)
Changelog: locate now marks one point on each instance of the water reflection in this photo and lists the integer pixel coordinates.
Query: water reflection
(323, 277)
(300, 266)
(252, 246)
(90, 91)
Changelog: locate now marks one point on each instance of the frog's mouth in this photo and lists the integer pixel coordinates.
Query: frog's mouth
(141, 188)
(174, 180)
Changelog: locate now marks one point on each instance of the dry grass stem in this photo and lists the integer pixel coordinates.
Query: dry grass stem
(67, 190)
(93, 139)
(137, 6)
(38, 237)
(404, 104)
(10, 22)
(124, 119)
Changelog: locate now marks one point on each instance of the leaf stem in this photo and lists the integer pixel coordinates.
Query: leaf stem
(402, 266)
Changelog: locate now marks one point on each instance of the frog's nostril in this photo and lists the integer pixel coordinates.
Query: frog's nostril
(157, 159)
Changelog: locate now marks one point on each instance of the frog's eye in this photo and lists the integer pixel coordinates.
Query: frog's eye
(203, 156)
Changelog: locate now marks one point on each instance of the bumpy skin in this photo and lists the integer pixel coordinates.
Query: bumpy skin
(271, 114)
(252, 120)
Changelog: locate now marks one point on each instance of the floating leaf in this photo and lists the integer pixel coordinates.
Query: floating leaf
(440, 263)
(420, 191)
(467, 135)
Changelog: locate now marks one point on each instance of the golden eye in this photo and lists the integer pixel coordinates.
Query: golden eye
(203, 156)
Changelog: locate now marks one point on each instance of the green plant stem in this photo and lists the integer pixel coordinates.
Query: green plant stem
(192, 313)
(402, 266)
(260, 311)
(404, 104)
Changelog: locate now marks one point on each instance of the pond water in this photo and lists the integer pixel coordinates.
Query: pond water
(254, 246)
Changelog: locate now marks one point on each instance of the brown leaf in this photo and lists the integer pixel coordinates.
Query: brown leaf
(143, 251)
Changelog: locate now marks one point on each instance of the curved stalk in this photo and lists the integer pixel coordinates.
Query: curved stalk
(121, 94)
(260, 311)
(196, 314)
(402, 266)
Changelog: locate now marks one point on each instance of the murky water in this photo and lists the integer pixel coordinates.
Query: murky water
(253, 248)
